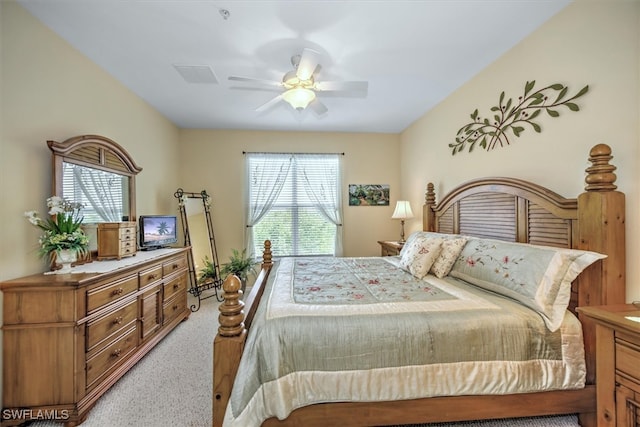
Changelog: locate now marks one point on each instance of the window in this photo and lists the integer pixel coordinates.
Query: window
(294, 200)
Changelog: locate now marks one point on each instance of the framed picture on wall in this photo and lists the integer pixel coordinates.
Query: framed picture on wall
(368, 195)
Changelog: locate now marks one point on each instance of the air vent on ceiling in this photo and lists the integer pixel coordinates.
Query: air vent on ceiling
(196, 73)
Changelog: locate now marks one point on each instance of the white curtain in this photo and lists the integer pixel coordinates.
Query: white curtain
(265, 176)
(322, 184)
(102, 190)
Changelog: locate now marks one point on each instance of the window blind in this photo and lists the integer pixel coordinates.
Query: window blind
(302, 219)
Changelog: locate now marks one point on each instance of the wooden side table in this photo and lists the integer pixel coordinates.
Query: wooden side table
(617, 363)
(390, 248)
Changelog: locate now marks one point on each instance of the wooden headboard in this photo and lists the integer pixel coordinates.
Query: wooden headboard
(506, 209)
(519, 211)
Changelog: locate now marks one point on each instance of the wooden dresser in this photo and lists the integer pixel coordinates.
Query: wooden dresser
(116, 239)
(67, 338)
(617, 363)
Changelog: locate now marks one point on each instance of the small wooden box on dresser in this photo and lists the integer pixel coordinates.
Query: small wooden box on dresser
(67, 338)
(116, 239)
(617, 363)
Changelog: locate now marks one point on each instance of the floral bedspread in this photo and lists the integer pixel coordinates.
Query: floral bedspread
(355, 286)
(357, 281)
(357, 329)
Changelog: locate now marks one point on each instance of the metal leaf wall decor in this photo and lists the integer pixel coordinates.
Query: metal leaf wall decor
(513, 117)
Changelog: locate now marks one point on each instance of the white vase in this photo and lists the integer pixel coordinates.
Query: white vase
(65, 257)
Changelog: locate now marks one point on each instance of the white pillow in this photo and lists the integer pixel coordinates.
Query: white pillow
(538, 276)
(419, 254)
(451, 248)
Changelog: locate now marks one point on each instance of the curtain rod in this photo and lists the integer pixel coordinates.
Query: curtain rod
(274, 152)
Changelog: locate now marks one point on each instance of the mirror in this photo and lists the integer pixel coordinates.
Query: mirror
(97, 172)
(195, 215)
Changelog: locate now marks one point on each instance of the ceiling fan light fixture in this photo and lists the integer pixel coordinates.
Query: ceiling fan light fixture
(299, 97)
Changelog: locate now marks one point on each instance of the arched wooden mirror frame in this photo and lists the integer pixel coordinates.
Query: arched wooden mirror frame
(95, 152)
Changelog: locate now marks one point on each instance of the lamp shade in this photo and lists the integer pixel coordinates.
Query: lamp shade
(402, 211)
(299, 97)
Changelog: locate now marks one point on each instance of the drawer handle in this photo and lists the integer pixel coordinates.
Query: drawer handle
(117, 292)
(118, 320)
(175, 307)
(175, 266)
(153, 276)
(116, 352)
(176, 286)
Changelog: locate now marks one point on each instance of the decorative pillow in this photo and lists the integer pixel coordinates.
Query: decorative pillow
(409, 241)
(419, 254)
(451, 248)
(538, 276)
(424, 235)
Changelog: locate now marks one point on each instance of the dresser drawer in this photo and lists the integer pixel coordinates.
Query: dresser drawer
(110, 324)
(127, 248)
(111, 356)
(99, 297)
(174, 286)
(128, 234)
(174, 307)
(628, 359)
(151, 275)
(173, 265)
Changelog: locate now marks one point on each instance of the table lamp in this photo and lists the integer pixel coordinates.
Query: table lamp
(402, 212)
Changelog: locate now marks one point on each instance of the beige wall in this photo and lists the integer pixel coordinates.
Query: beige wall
(594, 43)
(213, 160)
(51, 91)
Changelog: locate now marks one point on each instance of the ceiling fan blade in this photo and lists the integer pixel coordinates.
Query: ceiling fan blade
(269, 104)
(308, 63)
(361, 87)
(258, 81)
(318, 107)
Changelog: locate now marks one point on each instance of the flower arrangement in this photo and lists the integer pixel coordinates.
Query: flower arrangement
(62, 230)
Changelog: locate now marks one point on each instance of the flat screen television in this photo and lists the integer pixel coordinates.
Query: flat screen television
(157, 231)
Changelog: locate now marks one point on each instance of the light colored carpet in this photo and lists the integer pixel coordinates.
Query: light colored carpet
(172, 385)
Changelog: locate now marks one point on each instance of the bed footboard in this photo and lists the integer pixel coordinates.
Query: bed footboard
(235, 319)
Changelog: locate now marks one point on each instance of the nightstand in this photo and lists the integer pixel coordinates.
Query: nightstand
(390, 248)
(617, 363)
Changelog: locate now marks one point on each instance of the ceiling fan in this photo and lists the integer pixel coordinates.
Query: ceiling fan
(300, 86)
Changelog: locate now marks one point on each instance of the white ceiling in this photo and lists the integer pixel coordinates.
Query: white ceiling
(412, 53)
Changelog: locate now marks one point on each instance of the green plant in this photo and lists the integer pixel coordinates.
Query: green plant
(62, 230)
(208, 271)
(239, 264)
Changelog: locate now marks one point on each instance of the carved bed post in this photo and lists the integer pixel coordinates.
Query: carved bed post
(227, 346)
(601, 216)
(601, 228)
(428, 215)
(232, 332)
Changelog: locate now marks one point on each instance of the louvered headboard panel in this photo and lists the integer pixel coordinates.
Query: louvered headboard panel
(547, 229)
(507, 209)
(489, 215)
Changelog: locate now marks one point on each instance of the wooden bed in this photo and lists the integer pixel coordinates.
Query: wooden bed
(499, 208)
